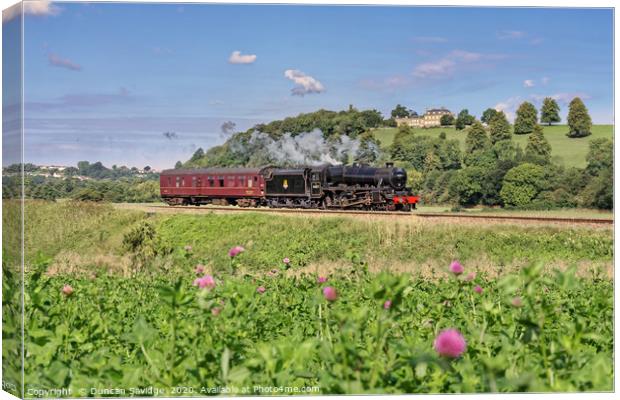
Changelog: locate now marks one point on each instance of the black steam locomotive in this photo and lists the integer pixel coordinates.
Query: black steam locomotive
(325, 187)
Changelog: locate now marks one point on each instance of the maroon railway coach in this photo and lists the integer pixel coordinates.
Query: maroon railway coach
(220, 186)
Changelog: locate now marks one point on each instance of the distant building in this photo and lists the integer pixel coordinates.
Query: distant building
(430, 119)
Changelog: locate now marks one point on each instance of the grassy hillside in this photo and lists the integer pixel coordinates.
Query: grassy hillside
(566, 151)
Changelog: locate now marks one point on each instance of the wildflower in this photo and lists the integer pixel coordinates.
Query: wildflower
(216, 311)
(206, 281)
(516, 302)
(200, 269)
(321, 279)
(478, 289)
(261, 289)
(456, 268)
(286, 260)
(387, 304)
(330, 293)
(450, 343)
(470, 277)
(67, 290)
(235, 251)
(188, 248)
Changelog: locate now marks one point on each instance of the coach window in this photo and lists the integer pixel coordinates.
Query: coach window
(242, 181)
(178, 181)
(193, 181)
(221, 181)
(183, 182)
(250, 181)
(169, 181)
(231, 180)
(198, 181)
(211, 181)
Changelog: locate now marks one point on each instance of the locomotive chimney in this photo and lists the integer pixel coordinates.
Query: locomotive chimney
(389, 164)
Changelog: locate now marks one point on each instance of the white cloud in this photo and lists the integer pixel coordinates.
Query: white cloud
(446, 65)
(509, 106)
(305, 84)
(57, 61)
(237, 58)
(563, 97)
(528, 83)
(511, 35)
(40, 7)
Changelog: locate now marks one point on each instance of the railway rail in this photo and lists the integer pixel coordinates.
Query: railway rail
(516, 218)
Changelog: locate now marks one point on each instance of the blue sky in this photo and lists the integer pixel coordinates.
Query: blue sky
(106, 81)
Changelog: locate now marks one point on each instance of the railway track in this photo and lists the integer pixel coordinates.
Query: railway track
(596, 221)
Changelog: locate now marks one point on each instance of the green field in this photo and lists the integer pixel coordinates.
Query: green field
(541, 319)
(570, 152)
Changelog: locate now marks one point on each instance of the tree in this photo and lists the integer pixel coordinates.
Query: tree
(446, 120)
(600, 156)
(579, 122)
(488, 115)
(178, 165)
(499, 128)
(477, 138)
(527, 118)
(400, 112)
(198, 154)
(550, 111)
(521, 184)
(147, 168)
(538, 149)
(463, 119)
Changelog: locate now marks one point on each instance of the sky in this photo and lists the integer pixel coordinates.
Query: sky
(147, 84)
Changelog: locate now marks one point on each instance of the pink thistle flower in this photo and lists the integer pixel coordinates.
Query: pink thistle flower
(456, 268)
(470, 277)
(330, 293)
(206, 281)
(188, 248)
(286, 260)
(200, 269)
(235, 251)
(450, 343)
(387, 304)
(67, 290)
(516, 302)
(478, 289)
(261, 289)
(216, 311)
(321, 279)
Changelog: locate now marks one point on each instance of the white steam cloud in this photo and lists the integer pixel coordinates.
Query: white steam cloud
(309, 148)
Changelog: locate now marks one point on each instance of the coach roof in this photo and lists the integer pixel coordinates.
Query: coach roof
(212, 171)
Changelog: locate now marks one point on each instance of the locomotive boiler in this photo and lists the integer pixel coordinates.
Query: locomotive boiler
(355, 186)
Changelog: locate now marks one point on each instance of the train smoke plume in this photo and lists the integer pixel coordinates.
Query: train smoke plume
(309, 148)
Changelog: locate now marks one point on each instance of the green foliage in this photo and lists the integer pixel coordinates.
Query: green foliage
(447, 120)
(477, 138)
(400, 112)
(550, 111)
(499, 128)
(526, 118)
(600, 156)
(579, 122)
(522, 184)
(424, 153)
(538, 150)
(464, 119)
(488, 115)
(178, 165)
